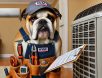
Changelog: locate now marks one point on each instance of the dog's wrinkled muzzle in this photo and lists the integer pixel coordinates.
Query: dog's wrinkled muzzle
(43, 29)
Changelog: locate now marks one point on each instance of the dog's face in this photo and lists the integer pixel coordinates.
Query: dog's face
(41, 25)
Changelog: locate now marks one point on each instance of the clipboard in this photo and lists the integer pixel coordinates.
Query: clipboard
(68, 57)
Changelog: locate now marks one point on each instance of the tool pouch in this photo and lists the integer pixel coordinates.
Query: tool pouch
(34, 71)
(42, 76)
(44, 64)
(35, 77)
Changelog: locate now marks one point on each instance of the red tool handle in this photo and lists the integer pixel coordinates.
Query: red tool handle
(20, 51)
(34, 59)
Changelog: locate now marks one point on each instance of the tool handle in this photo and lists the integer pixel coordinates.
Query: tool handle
(32, 59)
(36, 61)
(20, 51)
(6, 71)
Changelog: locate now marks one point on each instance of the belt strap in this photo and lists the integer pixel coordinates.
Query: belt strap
(56, 36)
(24, 34)
(26, 37)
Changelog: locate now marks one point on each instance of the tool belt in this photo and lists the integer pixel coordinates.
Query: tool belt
(40, 69)
(45, 54)
(44, 63)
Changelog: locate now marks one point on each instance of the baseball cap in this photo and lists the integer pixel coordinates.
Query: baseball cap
(38, 5)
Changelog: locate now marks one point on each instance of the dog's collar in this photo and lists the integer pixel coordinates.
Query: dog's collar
(27, 38)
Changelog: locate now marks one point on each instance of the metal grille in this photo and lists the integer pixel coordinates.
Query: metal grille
(85, 33)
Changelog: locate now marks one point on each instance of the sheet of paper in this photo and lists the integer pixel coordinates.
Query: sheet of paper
(65, 58)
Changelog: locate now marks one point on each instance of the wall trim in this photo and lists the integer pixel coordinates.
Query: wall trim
(6, 55)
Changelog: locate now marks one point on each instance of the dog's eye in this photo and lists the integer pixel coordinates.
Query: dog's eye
(32, 19)
(51, 18)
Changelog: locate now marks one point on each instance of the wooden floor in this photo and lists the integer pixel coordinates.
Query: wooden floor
(4, 62)
(65, 72)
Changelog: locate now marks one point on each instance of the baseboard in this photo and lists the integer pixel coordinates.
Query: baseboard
(6, 55)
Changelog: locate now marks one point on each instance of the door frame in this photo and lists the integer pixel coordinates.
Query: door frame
(63, 29)
(63, 23)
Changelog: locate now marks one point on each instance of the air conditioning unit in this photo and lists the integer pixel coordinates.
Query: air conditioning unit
(87, 29)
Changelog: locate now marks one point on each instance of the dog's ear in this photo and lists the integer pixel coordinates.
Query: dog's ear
(23, 15)
(57, 13)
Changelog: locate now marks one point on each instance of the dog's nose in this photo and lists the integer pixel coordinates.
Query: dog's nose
(42, 21)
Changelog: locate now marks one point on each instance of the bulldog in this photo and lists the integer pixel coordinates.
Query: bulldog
(39, 30)
(40, 25)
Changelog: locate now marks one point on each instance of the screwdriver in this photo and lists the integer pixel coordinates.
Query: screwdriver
(20, 51)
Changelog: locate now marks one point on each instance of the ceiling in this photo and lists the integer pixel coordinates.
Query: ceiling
(52, 2)
(20, 1)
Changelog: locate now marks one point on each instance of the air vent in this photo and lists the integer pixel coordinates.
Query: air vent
(84, 33)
